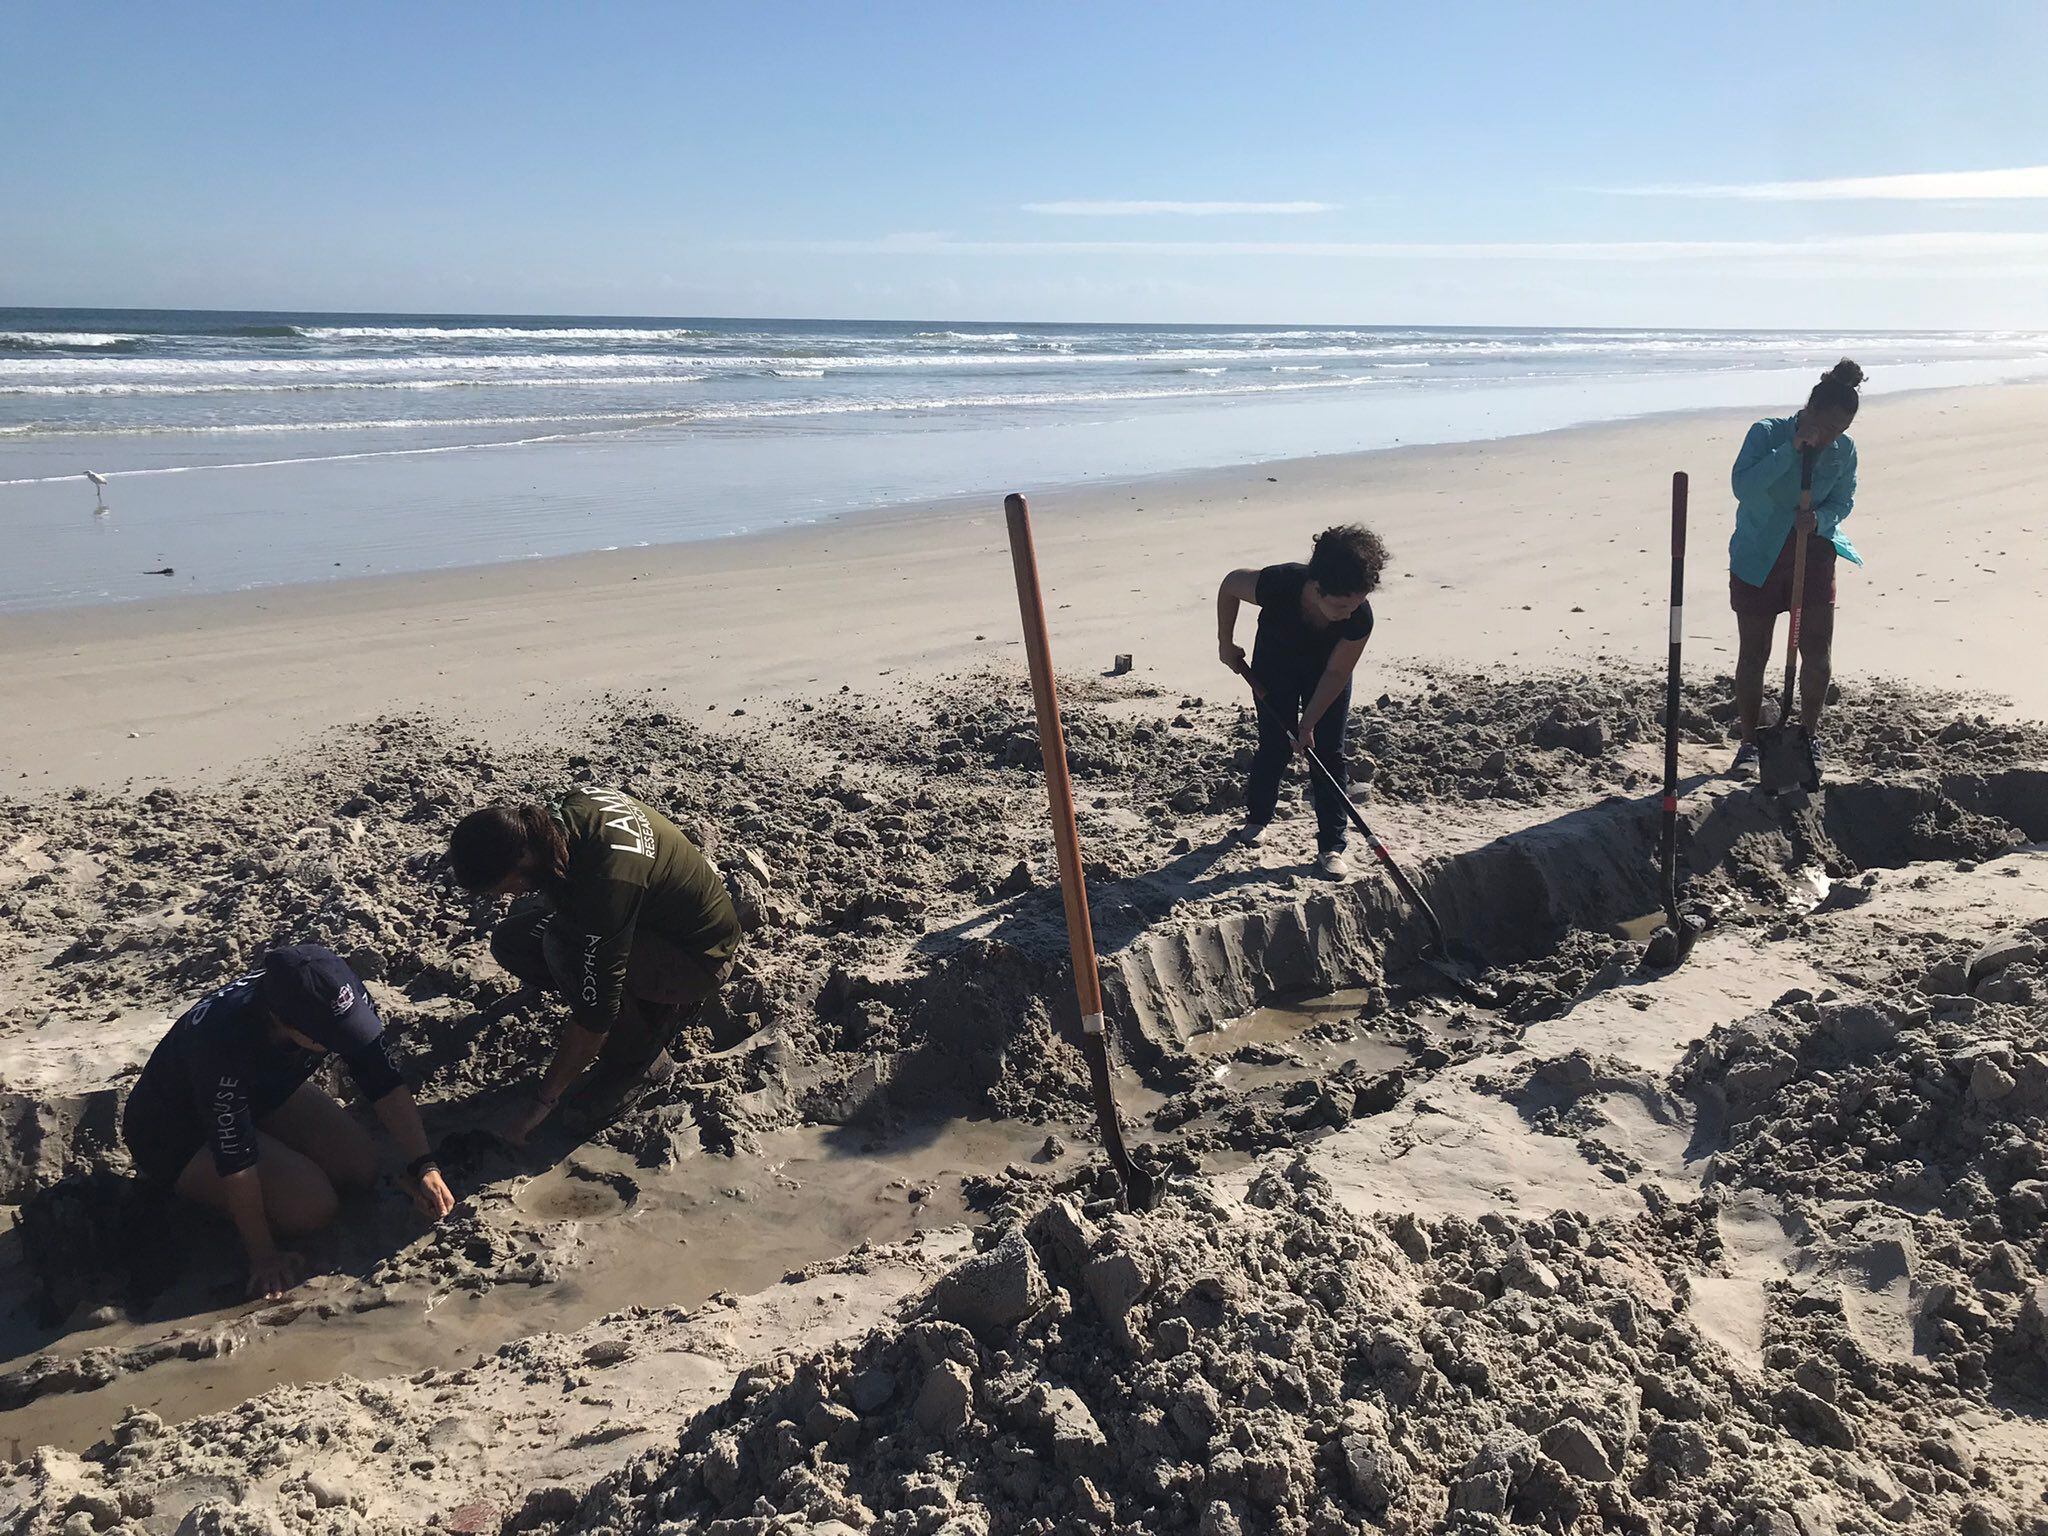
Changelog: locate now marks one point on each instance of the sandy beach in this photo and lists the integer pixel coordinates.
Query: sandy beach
(572, 965)
(1532, 551)
(1756, 1245)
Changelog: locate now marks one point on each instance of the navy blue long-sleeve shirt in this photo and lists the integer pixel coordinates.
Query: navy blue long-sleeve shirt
(218, 1071)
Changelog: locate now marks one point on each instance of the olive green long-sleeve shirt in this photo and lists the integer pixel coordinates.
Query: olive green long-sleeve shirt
(631, 870)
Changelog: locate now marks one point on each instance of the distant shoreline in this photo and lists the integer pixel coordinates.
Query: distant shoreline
(253, 450)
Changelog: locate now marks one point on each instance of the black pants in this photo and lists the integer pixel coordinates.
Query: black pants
(664, 985)
(1279, 718)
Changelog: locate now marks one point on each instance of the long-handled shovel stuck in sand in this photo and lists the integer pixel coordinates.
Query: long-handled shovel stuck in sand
(1784, 752)
(1670, 944)
(1438, 955)
(1141, 1190)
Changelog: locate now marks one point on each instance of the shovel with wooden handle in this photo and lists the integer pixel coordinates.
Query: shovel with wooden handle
(1672, 942)
(1141, 1190)
(1784, 752)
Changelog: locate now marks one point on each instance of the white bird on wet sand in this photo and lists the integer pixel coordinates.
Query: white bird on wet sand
(97, 480)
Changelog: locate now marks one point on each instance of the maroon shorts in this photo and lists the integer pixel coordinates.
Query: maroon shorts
(1775, 595)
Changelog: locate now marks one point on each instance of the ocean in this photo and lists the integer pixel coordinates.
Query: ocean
(245, 449)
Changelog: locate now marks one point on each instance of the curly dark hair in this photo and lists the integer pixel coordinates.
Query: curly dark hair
(1348, 558)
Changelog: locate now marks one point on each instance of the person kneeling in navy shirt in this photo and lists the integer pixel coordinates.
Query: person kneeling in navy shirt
(225, 1115)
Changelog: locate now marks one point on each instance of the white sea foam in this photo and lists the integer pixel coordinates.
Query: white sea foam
(85, 370)
(491, 333)
(713, 412)
(635, 421)
(13, 339)
(333, 386)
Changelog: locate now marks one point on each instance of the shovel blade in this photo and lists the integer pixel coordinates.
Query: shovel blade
(1785, 760)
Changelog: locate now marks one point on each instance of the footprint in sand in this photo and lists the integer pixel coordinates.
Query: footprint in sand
(576, 1193)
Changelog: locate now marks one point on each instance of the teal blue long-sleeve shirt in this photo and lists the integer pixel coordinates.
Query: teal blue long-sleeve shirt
(1766, 482)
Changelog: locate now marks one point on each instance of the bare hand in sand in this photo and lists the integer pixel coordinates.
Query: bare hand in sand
(430, 1194)
(273, 1274)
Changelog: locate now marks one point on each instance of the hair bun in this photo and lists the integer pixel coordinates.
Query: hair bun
(1846, 374)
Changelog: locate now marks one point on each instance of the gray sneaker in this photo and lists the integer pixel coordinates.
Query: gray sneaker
(1253, 833)
(1333, 863)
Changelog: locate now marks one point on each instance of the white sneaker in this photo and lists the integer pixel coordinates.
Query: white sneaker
(1252, 833)
(1333, 863)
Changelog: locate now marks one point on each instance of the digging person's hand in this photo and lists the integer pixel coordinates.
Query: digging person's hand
(1234, 658)
(524, 1118)
(430, 1194)
(1804, 522)
(273, 1274)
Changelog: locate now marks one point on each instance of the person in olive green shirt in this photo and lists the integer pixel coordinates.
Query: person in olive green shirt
(635, 931)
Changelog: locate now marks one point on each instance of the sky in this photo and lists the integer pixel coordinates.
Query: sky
(1872, 165)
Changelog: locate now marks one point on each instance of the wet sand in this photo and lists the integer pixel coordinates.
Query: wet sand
(1521, 552)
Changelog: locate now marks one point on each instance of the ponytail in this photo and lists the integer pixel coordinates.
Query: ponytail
(489, 844)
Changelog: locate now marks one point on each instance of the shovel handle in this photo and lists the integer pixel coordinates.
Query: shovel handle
(1668, 839)
(1066, 838)
(1799, 537)
(1395, 872)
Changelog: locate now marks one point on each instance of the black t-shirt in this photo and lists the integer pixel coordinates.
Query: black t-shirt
(217, 1072)
(1288, 648)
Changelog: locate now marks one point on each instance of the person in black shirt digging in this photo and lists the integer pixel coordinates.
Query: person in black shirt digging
(1314, 620)
(224, 1112)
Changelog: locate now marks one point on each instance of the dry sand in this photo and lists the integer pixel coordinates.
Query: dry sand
(1528, 551)
(1756, 1246)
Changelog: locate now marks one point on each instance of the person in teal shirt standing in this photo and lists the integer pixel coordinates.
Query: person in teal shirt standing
(1767, 518)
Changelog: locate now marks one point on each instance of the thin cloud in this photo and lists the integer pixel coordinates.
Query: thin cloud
(1930, 246)
(1087, 209)
(2025, 181)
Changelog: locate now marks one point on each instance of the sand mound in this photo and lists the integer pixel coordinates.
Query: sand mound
(1277, 1364)
(1912, 1124)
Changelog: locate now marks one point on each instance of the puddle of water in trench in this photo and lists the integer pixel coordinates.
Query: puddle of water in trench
(1637, 930)
(652, 1238)
(1287, 1027)
(1278, 1024)
(1808, 887)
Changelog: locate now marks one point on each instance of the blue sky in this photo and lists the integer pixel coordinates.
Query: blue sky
(1725, 164)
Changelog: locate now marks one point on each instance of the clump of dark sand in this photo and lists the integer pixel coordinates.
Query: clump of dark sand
(1277, 1364)
(1917, 1116)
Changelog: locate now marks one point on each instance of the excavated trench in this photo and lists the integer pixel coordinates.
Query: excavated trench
(866, 1167)
(1517, 898)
